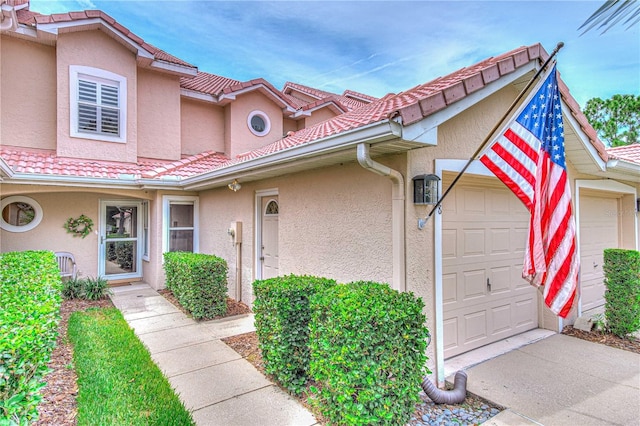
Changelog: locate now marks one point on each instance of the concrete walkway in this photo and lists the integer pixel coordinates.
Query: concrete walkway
(213, 381)
(561, 380)
(557, 380)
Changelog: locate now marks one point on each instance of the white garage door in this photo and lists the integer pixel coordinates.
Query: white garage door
(598, 231)
(485, 299)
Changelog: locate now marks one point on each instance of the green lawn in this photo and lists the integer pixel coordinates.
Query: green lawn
(118, 382)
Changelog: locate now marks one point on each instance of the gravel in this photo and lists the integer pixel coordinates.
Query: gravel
(473, 411)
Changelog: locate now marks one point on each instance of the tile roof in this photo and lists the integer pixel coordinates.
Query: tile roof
(421, 101)
(411, 106)
(33, 19)
(39, 161)
(210, 84)
(348, 101)
(630, 153)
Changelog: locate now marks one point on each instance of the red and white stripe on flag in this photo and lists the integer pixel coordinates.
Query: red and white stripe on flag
(529, 158)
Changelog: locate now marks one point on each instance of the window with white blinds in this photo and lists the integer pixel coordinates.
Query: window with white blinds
(98, 108)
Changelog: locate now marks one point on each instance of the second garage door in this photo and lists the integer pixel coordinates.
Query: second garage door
(485, 299)
(598, 231)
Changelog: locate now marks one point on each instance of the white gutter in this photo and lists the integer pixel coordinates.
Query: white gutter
(8, 19)
(375, 132)
(623, 166)
(397, 213)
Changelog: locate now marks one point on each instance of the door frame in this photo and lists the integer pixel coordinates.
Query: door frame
(612, 187)
(102, 252)
(257, 248)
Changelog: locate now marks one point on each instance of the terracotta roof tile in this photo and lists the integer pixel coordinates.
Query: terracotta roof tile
(207, 83)
(426, 99)
(35, 161)
(27, 17)
(629, 153)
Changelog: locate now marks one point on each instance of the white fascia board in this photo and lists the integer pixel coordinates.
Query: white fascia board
(232, 96)
(586, 142)
(622, 166)
(422, 131)
(174, 68)
(5, 169)
(53, 28)
(198, 95)
(38, 179)
(324, 105)
(328, 144)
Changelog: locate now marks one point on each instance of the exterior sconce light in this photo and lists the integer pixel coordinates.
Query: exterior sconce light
(235, 185)
(637, 205)
(425, 189)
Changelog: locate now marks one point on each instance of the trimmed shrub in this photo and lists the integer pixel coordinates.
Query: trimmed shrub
(368, 357)
(30, 300)
(622, 297)
(282, 317)
(199, 282)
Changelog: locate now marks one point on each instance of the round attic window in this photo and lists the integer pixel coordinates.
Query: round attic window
(258, 123)
(20, 214)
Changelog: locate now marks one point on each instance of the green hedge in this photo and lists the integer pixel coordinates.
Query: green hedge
(199, 282)
(622, 279)
(30, 301)
(368, 357)
(282, 317)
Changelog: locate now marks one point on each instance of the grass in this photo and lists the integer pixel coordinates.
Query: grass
(118, 382)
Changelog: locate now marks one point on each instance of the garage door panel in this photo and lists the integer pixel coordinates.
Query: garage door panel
(473, 242)
(500, 240)
(490, 226)
(449, 289)
(473, 284)
(451, 333)
(501, 317)
(598, 231)
(449, 244)
(475, 324)
(500, 279)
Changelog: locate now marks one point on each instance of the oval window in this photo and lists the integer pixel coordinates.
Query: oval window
(20, 214)
(258, 123)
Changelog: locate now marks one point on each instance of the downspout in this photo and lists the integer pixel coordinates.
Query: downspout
(397, 213)
(439, 396)
(8, 18)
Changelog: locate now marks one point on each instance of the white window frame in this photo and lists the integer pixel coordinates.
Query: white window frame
(264, 117)
(101, 77)
(37, 209)
(146, 241)
(167, 200)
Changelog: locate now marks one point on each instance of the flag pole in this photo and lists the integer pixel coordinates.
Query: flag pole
(423, 222)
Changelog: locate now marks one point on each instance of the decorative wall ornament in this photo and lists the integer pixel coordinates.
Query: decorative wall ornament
(80, 227)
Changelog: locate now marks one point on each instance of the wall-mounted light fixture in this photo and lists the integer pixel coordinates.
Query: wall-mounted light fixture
(637, 205)
(235, 185)
(425, 189)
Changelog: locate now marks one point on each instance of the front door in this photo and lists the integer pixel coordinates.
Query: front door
(269, 237)
(120, 240)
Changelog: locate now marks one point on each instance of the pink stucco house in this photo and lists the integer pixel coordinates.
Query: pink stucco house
(163, 156)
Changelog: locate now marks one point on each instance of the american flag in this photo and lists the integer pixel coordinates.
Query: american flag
(529, 158)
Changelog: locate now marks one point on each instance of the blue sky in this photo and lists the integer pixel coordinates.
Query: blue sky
(375, 47)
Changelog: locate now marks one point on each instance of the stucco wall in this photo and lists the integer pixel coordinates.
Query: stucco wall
(239, 138)
(318, 116)
(333, 222)
(58, 204)
(158, 115)
(27, 94)
(95, 49)
(202, 127)
(50, 235)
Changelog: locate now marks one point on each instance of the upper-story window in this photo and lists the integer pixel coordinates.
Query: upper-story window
(98, 104)
(259, 123)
